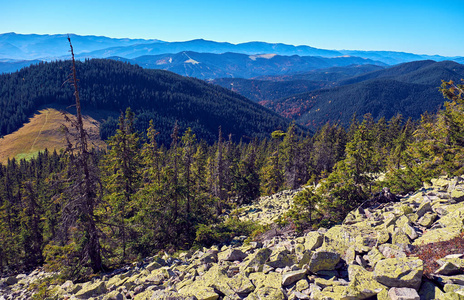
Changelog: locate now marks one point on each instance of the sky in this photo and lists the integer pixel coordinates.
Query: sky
(421, 27)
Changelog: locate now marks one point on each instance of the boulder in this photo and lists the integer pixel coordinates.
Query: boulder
(292, 277)
(232, 255)
(258, 259)
(241, 284)
(403, 294)
(323, 260)
(399, 272)
(281, 258)
(313, 240)
(90, 289)
(362, 283)
(429, 290)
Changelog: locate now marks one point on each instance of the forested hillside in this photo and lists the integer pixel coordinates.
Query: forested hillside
(110, 87)
(281, 86)
(409, 89)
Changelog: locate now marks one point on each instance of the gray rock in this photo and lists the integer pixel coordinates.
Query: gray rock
(323, 260)
(403, 294)
(399, 272)
(292, 277)
(232, 255)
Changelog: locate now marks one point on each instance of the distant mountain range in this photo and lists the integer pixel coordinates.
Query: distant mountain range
(50, 47)
(409, 89)
(20, 47)
(235, 65)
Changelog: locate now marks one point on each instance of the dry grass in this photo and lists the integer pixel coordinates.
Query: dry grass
(430, 253)
(43, 131)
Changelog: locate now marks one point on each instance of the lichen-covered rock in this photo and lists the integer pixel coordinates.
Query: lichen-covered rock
(392, 251)
(91, 290)
(292, 277)
(258, 259)
(214, 279)
(323, 260)
(450, 266)
(313, 240)
(437, 235)
(427, 219)
(362, 283)
(273, 280)
(268, 293)
(374, 256)
(399, 272)
(241, 284)
(281, 258)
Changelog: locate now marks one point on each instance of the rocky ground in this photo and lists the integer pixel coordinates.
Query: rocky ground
(369, 256)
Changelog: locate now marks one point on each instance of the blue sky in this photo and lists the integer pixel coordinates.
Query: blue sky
(422, 27)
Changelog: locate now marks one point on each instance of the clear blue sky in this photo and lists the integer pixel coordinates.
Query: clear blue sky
(422, 27)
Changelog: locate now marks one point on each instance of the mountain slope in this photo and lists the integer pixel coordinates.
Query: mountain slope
(275, 87)
(409, 89)
(112, 86)
(43, 131)
(210, 66)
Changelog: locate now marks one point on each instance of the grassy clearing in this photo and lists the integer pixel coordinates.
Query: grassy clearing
(41, 132)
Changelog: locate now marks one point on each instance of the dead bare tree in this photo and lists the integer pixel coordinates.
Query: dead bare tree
(84, 189)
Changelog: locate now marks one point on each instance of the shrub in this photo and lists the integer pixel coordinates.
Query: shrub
(430, 253)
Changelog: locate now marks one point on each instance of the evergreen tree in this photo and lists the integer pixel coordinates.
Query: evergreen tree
(122, 176)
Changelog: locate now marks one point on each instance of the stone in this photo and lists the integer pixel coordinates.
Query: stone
(449, 268)
(259, 280)
(400, 237)
(323, 260)
(292, 277)
(241, 284)
(115, 295)
(457, 195)
(261, 256)
(304, 258)
(410, 232)
(232, 255)
(302, 285)
(281, 258)
(211, 257)
(429, 290)
(427, 219)
(153, 266)
(454, 279)
(374, 256)
(362, 283)
(90, 289)
(399, 272)
(299, 295)
(313, 240)
(267, 293)
(403, 294)
(456, 288)
(391, 251)
(437, 235)
(11, 280)
(424, 207)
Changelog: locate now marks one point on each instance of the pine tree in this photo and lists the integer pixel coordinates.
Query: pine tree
(122, 169)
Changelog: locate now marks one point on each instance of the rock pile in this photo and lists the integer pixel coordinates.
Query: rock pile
(367, 257)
